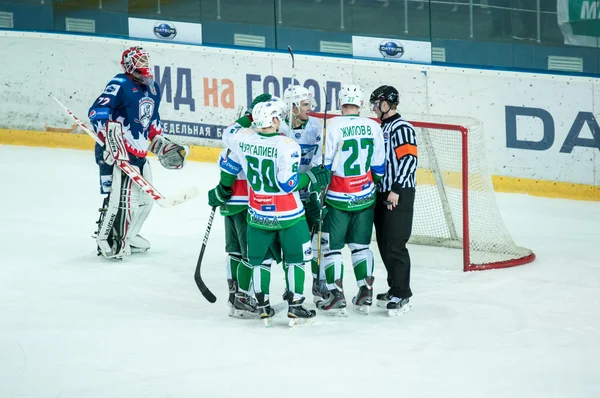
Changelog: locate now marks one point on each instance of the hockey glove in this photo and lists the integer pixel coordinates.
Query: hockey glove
(219, 195)
(170, 154)
(319, 177)
(258, 99)
(312, 209)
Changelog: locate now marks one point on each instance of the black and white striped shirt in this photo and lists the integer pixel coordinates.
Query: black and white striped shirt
(401, 154)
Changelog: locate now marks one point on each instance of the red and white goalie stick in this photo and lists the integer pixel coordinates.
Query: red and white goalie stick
(131, 172)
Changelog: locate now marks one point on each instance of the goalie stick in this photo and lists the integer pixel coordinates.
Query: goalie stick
(131, 172)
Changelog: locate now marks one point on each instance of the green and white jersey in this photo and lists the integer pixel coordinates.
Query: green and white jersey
(239, 197)
(355, 151)
(271, 163)
(309, 137)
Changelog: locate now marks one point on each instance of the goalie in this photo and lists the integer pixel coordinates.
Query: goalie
(127, 109)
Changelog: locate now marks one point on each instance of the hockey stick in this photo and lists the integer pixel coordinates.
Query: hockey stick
(323, 193)
(291, 111)
(131, 172)
(197, 277)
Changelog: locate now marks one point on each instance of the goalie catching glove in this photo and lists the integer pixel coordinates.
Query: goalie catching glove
(170, 154)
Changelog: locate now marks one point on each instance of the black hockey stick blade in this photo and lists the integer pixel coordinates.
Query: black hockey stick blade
(197, 276)
(292, 54)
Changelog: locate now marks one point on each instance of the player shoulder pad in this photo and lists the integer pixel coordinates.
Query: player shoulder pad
(246, 131)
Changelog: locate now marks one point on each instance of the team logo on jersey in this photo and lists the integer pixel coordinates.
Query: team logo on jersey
(112, 89)
(146, 110)
(165, 30)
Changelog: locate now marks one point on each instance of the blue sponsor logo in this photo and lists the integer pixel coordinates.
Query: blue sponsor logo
(308, 252)
(295, 155)
(118, 79)
(268, 208)
(99, 113)
(165, 30)
(230, 166)
(306, 149)
(391, 49)
(305, 162)
(297, 135)
(367, 185)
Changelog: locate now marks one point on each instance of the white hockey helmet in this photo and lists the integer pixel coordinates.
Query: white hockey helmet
(264, 112)
(296, 94)
(350, 94)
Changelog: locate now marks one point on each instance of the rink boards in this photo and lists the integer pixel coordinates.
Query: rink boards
(541, 132)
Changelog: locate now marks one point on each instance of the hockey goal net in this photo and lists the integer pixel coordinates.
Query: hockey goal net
(455, 204)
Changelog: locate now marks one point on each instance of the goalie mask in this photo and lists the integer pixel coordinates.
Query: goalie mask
(296, 94)
(136, 63)
(350, 94)
(264, 112)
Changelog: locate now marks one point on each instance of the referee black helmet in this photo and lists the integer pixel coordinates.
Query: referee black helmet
(385, 93)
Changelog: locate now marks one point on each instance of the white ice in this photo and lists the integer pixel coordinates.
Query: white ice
(73, 325)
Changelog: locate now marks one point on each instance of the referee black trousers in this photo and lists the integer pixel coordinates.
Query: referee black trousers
(393, 229)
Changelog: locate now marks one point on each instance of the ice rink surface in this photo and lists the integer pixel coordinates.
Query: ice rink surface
(73, 325)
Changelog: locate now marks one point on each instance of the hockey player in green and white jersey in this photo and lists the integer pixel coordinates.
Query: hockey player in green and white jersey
(307, 131)
(355, 153)
(271, 162)
(234, 213)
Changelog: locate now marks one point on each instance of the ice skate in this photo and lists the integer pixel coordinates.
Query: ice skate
(364, 299)
(299, 314)
(398, 306)
(319, 290)
(287, 296)
(335, 303)
(244, 306)
(265, 312)
(383, 299)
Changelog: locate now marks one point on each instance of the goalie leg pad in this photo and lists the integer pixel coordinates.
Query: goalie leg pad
(116, 223)
(141, 204)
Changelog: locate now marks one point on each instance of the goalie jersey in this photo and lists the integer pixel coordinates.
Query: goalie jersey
(132, 104)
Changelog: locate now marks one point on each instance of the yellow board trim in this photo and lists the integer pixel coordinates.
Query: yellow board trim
(84, 142)
(548, 189)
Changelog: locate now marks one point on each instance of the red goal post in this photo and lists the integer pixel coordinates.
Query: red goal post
(455, 203)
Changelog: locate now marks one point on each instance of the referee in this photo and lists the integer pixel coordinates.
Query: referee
(395, 199)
